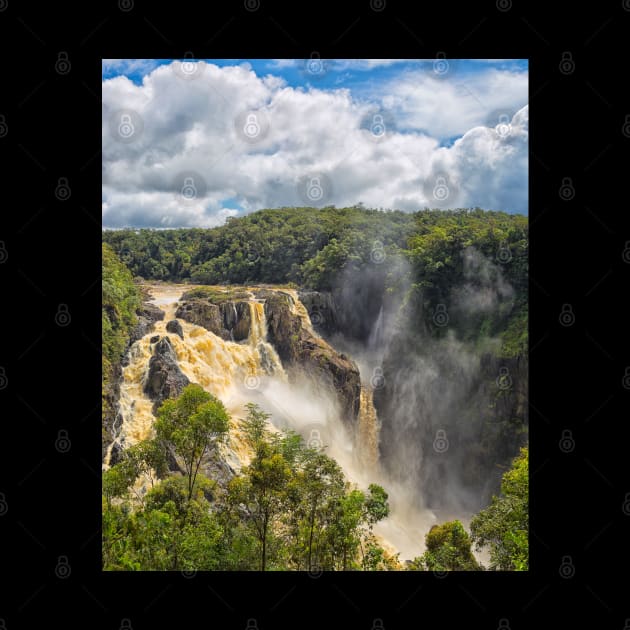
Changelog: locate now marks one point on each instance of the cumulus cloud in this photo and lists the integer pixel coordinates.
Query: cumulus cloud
(174, 128)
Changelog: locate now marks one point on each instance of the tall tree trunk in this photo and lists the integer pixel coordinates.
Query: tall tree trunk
(263, 562)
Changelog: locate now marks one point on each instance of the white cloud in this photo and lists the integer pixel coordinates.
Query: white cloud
(447, 108)
(195, 127)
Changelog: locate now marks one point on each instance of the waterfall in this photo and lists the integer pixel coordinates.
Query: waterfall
(367, 430)
(226, 369)
(376, 334)
(251, 371)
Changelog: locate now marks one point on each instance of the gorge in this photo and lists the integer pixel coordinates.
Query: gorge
(408, 369)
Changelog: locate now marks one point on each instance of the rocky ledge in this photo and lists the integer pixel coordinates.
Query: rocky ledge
(303, 352)
(164, 378)
(225, 315)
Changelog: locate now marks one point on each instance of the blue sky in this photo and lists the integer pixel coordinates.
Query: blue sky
(259, 133)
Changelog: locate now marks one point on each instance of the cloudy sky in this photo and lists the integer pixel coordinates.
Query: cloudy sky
(189, 143)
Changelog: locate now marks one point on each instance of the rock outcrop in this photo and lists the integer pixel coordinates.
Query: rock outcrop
(230, 320)
(175, 327)
(303, 352)
(321, 309)
(164, 379)
(148, 314)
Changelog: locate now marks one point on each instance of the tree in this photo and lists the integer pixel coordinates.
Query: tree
(504, 525)
(261, 493)
(190, 425)
(448, 548)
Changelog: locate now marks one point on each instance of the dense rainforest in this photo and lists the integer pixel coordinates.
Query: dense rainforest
(447, 284)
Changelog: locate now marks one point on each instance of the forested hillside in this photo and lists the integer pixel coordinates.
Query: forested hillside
(418, 321)
(314, 247)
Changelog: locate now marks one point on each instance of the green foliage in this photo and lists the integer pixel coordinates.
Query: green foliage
(120, 299)
(448, 548)
(504, 525)
(313, 247)
(290, 508)
(190, 425)
(216, 296)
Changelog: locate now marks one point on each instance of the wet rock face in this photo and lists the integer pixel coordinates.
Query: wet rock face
(164, 378)
(148, 314)
(175, 327)
(229, 320)
(321, 309)
(302, 352)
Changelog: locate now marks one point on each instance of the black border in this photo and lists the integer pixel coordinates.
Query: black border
(52, 373)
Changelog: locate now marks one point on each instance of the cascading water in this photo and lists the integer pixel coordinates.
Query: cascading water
(251, 371)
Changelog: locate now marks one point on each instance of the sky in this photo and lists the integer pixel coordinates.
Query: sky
(189, 143)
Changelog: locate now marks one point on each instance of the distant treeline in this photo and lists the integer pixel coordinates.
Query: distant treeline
(312, 247)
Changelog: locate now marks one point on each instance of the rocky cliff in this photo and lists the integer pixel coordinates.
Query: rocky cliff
(228, 319)
(303, 352)
(147, 315)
